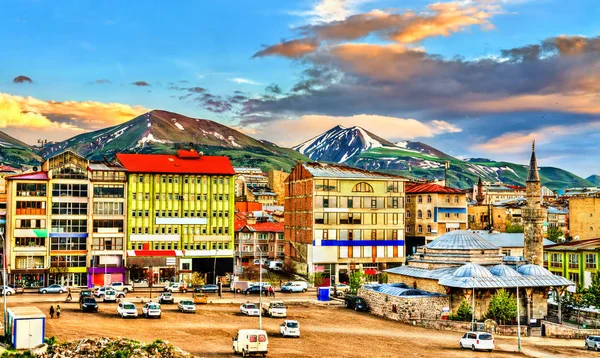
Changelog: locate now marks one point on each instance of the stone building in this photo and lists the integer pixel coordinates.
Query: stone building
(276, 181)
(584, 217)
(460, 263)
(533, 215)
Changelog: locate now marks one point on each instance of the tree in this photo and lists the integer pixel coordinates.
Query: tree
(591, 295)
(288, 269)
(196, 280)
(464, 312)
(514, 228)
(503, 306)
(554, 233)
(316, 278)
(357, 278)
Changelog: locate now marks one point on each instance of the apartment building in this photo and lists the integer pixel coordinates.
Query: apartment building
(432, 210)
(339, 219)
(180, 212)
(256, 238)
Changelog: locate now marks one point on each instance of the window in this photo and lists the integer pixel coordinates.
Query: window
(419, 214)
(31, 224)
(408, 214)
(429, 229)
(393, 187)
(69, 209)
(67, 261)
(456, 199)
(67, 225)
(408, 199)
(392, 203)
(326, 185)
(140, 178)
(555, 260)
(31, 208)
(105, 225)
(447, 198)
(429, 198)
(107, 243)
(590, 261)
(108, 208)
(28, 189)
(362, 188)
(420, 229)
(408, 229)
(574, 277)
(68, 243)
(74, 190)
(109, 191)
(419, 199)
(573, 261)
(428, 214)
(30, 241)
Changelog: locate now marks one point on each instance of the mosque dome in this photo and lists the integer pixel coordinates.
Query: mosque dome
(503, 271)
(533, 270)
(461, 240)
(472, 270)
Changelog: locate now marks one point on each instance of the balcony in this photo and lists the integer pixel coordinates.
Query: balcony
(30, 211)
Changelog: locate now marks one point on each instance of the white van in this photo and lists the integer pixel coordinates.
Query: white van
(251, 341)
(294, 286)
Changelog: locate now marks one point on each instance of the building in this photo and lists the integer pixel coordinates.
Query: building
(339, 219)
(533, 215)
(248, 177)
(262, 195)
(276, 181)
(511, 244)
(584, 217)
(431, 210)
(257, 238)
(180, 213)
(460, 263)
(558, 218)
(494, 192)
(575, 260)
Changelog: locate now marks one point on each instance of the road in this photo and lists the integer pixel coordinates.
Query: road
(327, 331)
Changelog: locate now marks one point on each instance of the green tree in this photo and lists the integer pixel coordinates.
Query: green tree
(464, 312)
(554, 233)
(503, 306)
(316, 278)
(357, 279)
(514, 228)
(591, 295)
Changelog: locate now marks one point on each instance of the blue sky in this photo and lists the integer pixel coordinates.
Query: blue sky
(472, 78)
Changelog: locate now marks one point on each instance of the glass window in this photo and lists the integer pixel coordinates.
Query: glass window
(573, 261)
(114, 224)
(69, 208)
(68, 243)
(109, 191)
(363, 188)
(73, 190)
(590, 261)
(419, 214)
(69, 225)
(31, 189)
(419, 199)
(429, 198)
(428, 214)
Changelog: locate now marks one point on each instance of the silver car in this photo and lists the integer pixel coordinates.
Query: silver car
(592, 342)
(53, 289)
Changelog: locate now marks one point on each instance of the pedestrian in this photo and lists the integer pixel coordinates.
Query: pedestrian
(69, 297)
(280, 283)
(51, 311)
(57, 311)
(220, 289)
(271, 291)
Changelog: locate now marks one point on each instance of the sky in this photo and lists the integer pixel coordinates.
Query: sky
(471, 78)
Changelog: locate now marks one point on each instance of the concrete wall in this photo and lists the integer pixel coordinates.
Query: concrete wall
(584, 217)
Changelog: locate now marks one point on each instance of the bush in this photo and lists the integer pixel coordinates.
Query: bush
(503, 307)
(464, 312)
(357, 279)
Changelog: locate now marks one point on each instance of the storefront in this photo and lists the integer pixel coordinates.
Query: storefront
(100, 276)
(31, 278)
(70, 279)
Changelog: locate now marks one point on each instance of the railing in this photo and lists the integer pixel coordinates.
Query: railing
(556, 264)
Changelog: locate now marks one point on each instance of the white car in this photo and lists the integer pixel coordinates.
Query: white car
(126, 309)
(249, 309)
(289, 328)
(592, 342)
(102, 291)
(151, 309)
(110, 295)
(186, 306)
(7, 290)
(176, 287)
(166, 297)
(477, 341)
(276, 309)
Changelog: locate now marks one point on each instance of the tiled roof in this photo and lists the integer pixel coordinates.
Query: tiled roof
(504, 239)
(29, 176)
(268, 226)
(8, 168)
(325, 170)
(165, 163)
(431, 188)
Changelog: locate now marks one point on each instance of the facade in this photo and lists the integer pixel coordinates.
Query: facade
(533, 215)
(494, 192)
(575, 260)
(339, 219)
(255, 239)
(584, 217)
(511, 244)
(431, 210)
(558, 218)
(262, 195)
(276, 181)
(180, 213)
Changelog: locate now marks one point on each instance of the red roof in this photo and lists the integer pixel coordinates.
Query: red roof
(431, 188)
(241, 222)
(185, 163)
(29, 176)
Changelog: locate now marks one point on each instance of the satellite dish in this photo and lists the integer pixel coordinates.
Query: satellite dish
(576, 238)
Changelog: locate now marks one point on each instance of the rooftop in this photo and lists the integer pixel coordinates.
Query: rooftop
(503, 239)
(576, 245)
(461, 240)
(431, 188)
(183, 163)
(324, 170)
(29, 176)
(106, 166)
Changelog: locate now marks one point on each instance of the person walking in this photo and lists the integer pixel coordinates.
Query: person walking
(271, 291)
(57, 311)
(69, 297)
(51, 311)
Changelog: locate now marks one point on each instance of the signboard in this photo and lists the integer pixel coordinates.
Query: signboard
(171, 261)
(110, 260)
(319, 268)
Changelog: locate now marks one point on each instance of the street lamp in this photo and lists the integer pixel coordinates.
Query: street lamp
(473, 304)
(260, 288)
(518, 320)
(215, 267)
(4, 280)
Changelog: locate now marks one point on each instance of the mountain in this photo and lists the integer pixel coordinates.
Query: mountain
(15, 153)
(594, 179)
(165, 132)
(360, 148)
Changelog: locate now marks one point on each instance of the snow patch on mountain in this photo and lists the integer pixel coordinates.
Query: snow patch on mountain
(150, 139)
(179, 126)
(233, 143)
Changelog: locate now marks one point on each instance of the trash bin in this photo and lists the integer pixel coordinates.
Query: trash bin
(323, 294)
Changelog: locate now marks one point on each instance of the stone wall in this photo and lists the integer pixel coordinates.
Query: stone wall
(554, 330)
(424, 284)
(404, 309)
(584, 216)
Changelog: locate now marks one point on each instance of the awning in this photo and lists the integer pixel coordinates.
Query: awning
(370, 272)
(157, 253)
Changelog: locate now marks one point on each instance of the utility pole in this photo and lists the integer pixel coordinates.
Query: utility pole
(4, 287)
(260, 289)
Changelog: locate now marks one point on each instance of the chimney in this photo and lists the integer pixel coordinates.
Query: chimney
(251, 220)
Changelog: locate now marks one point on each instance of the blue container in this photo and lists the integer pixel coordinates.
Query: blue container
(323, 294)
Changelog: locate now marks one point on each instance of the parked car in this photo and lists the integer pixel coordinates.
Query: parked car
(7, 290)
(259, 262)
(100, 292)
(249, 309)
(289, 328)
(275, 265)
(209, 288)
(126, 309)
(151, 309)
(88, 304)
(256, 290)
(239, 286)
(294, 286)
(251, 341)
(84, 294)
(356, 303)
(56, 288)
(477, 341)
(200, 298)
(18, 288)
(186, 306)
(177, 287)
(166, 297)
(592, 342)
(121, 287)
(275, 309)
(111, 295)
(340, 288)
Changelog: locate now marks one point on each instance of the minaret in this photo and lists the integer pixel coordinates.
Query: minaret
(479, 197)
(532, 215)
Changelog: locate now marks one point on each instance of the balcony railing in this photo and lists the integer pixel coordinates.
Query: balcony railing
(556, 264)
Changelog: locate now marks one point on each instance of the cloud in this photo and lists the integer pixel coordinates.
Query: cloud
(102, 82)
(291, 49)
(288, 131)
(244, 81)
(141, 83)
(62, 119)
(331, 10)
(22, 79)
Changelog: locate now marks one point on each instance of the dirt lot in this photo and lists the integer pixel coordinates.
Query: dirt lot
(326, 332)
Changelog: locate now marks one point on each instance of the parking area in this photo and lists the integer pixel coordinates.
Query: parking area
(325, 332)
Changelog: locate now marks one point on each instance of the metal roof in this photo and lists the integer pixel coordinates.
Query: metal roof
(472, 270)
(101, 166)
(395, 290)
(497, 282)
(420, 272)
(323, 170)
(503, 271)
(504, 239)
(461, 240)
(557, 211)
(533, 270)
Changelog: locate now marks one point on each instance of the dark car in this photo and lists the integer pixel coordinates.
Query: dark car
(209, 288)
(88, 304)
(256, 290)
(83, 294)
(356, 303)
(17, 288)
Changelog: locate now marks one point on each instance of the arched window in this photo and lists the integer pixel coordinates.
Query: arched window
(429, 229)
(447, 198)
(456, 199)
(362, 188)
(420, 229)
(429, 198)
(408, 213)
(408, 228)
(419, 214)
(428, 214)
(419, 199)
